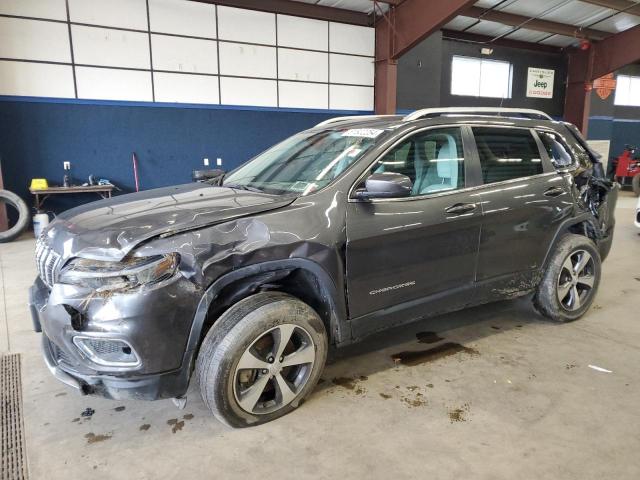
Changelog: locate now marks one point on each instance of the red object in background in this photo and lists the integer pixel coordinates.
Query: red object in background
(628, 165)
(585, 44)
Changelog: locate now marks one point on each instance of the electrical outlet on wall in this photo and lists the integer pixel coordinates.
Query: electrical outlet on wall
(206, 162)
(219, 162)
(67, 165)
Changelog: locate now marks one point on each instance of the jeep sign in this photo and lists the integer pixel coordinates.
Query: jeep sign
(540, 82)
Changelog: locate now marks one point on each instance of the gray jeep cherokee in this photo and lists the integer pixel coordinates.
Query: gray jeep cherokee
(349, 228)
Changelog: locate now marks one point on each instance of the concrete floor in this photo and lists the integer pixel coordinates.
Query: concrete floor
(521, 402)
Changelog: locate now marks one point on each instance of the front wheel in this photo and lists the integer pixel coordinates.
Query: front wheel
(570, 281)
(261, 358)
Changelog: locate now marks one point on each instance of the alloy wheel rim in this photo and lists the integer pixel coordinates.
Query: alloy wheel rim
(274, 369)
(576, 280)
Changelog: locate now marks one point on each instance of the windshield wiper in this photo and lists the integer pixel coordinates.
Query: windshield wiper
(237, 186)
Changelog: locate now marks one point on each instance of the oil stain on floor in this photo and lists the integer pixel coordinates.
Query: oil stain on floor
(93, 438)
(418, 357)
(351, 383)
(459, 414)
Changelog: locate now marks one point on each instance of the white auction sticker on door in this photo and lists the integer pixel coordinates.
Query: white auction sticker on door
(363, 132)
(540, 82)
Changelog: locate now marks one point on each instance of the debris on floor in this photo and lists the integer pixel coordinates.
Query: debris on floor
(87, 412)
(599, 369)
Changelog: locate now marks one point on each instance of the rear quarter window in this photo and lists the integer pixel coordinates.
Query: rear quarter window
(558, 151)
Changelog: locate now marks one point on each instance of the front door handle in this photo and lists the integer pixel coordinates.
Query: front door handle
(554, 192)
(460, 208)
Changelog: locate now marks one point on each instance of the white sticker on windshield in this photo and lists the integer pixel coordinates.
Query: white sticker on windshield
(363, 132)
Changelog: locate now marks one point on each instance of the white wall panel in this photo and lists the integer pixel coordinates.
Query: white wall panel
(343, 97)
(247, 60)
(184, 54)
(303, 33)
(248, 91)
(303, 65)
(183, 18)
(53, 9)
(112, 13)
(352, 39)
(350, 69)
(36, 79)
(109, 84)
(184, 88)
(246, 25)
(34, 40)
(104, 46)
(303, 95)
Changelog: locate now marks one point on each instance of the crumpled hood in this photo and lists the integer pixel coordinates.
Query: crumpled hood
(109, 229)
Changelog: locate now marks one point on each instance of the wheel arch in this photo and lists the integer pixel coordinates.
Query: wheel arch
(584, 225)
(301, 278)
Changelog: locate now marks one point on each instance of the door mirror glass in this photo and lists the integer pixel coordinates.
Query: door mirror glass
(385, 185)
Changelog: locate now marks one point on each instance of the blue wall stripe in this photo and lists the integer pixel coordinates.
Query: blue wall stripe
(36, 137)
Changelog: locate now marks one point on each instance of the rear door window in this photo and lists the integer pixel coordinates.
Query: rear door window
(507, 153)
(557, 149)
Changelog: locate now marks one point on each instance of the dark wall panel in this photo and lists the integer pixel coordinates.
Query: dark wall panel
(36, 137)
(419, 73)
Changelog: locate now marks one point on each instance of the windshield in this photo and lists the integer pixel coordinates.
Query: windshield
(305, 162)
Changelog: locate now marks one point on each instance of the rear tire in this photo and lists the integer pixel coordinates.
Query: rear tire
(635, 184)
(247, 376)
(570, 281)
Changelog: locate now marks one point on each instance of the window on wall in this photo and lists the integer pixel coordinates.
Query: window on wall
(478, 77)
(628, 91)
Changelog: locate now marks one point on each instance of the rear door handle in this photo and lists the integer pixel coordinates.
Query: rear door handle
(460, 208)
(554, 192)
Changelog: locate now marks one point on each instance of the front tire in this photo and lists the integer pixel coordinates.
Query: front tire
(570, 281)
(261, 358)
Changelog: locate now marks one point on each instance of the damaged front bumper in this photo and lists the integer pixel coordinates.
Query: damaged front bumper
(155, 335)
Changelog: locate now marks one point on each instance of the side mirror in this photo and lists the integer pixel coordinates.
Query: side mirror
(385, 185)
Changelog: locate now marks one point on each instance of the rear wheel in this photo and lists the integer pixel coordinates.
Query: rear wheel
(570, 281)
(261, 359)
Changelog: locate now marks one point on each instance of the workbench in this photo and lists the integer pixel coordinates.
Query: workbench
(41, 195)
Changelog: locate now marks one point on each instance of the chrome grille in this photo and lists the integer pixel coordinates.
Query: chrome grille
(47, 262)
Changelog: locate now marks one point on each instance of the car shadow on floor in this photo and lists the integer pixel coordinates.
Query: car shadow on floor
(429, 339)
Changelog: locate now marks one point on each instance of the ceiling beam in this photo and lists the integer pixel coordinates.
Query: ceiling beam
(536, 24)
(615, 52)
(487, 41)
(620, 5)
(300, 9)
(407, 24)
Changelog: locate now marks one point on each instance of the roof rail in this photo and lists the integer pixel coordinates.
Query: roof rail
(493, 111)
(352, 117)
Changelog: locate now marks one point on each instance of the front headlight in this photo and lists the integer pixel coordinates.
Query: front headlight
(129, 273)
